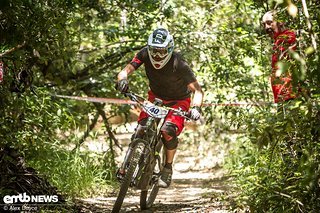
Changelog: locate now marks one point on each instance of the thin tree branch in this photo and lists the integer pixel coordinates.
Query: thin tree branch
(106, 123)
(89, 129)
(313, 36)
(13, 49)
(288, 196)
(110, 45)
(107, 60)
(112, 138)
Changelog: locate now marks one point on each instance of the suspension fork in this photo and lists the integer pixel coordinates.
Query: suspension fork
(126, 159)
(140, 132)
(128, 154)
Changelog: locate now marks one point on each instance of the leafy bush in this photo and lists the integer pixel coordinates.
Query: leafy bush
(43, 129)
(277, 169)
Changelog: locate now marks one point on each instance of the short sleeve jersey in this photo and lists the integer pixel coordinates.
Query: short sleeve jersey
(171, 81)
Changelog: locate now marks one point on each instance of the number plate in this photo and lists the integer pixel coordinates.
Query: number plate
(155, 111)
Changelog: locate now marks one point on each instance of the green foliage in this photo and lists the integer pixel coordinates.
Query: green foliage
(72, 48)
(29, 120)
(281, 174)
(77, 47)
(75, 173)
(275, 164)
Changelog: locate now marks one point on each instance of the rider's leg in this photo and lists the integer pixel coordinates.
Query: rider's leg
(170, 140)
(169, 156)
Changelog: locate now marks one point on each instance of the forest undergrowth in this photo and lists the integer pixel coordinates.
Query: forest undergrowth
(76, 48)
(276, 165)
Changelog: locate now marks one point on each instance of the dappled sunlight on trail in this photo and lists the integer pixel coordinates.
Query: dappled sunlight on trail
(199, 185)
(189, 192)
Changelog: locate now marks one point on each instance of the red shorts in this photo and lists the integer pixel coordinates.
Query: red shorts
(175, 119)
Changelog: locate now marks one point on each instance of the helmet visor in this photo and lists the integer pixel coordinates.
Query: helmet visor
(158, 52)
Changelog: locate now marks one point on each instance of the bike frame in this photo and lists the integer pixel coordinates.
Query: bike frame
(143, 153)
(151, 139)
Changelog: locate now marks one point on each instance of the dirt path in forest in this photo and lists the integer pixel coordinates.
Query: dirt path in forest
(199, 185)
(190, 192)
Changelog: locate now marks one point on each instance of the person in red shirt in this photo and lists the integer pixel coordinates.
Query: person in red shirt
(171, 80)
(284, 40)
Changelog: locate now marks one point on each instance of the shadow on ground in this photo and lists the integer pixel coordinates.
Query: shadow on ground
(189, 192)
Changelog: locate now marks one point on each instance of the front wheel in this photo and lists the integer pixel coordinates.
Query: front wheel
(136, 155)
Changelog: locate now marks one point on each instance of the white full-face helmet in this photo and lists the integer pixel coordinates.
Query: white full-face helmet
(160, 47)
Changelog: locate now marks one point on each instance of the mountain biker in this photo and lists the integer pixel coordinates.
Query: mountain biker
(171, 80)
(284, 40)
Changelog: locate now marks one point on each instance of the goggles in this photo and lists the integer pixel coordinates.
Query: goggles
(158, 51)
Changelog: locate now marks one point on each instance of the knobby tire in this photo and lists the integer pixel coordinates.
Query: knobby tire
(147, 197)
(146, 200)
(136, 155)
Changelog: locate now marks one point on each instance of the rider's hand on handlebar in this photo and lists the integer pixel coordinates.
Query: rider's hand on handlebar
(122, 85)
(194, 113)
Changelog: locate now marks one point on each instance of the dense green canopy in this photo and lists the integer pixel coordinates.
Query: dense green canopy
(76, 47)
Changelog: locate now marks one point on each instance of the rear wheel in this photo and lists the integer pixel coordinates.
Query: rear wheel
(136, 155)
(147, 197)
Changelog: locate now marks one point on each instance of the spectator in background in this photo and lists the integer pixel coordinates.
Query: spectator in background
(284, 40)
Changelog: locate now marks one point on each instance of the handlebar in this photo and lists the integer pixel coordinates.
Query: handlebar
(134, 97)
(143, 103)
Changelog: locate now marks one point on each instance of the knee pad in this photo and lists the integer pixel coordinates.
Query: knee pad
(171, 144)
(169, 130)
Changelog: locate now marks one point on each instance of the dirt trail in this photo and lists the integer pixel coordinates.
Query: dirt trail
(198, 185)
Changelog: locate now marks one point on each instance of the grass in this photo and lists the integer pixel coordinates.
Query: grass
(74, 173)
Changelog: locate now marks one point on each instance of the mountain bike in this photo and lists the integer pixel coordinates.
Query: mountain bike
(145, 156)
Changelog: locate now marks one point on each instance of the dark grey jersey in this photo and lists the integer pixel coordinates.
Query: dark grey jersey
(171, 81)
